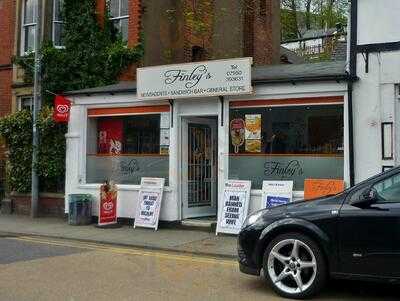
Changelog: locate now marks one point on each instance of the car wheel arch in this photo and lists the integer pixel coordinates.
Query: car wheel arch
(292, 225)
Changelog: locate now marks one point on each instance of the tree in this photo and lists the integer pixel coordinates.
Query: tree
(298, 16)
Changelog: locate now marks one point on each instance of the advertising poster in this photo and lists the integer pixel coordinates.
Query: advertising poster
(108, 205)
(110, 136)
(237, 130)
(235, 206)
(253, 146)
(149, 203)
(253, 126)
(275, 193)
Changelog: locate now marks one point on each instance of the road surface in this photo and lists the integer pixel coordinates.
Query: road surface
(46, 269)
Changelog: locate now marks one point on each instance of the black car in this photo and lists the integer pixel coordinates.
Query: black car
(353, 235)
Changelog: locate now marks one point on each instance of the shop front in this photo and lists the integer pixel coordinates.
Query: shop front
(268, 131)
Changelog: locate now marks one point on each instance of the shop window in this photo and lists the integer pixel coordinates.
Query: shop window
(28, 26)
(58, 24)
(119, 15)
(286, 143)
(125, 149)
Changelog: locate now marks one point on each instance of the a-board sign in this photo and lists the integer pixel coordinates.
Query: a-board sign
(276, 193)
(315, 188)
(149, 202)
(235, 206)
(108, 205)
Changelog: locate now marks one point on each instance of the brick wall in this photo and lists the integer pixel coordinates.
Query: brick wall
(262, 31)
(7, 19)
(49, 205)
(133, 35)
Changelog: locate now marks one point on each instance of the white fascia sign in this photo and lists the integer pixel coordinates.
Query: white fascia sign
(199, 79)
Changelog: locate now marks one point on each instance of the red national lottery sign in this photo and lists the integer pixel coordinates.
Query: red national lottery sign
(108, 205)
(62, 107)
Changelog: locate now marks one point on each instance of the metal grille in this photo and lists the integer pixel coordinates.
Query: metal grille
(200, 162)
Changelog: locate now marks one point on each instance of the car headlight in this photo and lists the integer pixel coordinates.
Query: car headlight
(252, 218)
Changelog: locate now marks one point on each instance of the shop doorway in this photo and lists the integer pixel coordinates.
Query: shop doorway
(199, 167)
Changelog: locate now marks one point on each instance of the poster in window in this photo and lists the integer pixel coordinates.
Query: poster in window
(253, 146)
(164, 136)
(253, 126)
(164, 149)
(110, 136)
(164, 120)
(237, 129)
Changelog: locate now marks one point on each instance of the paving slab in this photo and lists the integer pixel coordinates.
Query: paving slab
(171, 239)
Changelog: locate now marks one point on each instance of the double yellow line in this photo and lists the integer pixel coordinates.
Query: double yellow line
(127, 251)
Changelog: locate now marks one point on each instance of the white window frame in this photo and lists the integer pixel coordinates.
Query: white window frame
(23, 26)
(119, 18)
(20, 100)
(54, 21)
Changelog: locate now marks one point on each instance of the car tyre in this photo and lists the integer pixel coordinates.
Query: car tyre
(294, 266)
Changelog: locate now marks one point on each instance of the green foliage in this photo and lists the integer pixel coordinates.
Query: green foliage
(16, 129)
(94, 55)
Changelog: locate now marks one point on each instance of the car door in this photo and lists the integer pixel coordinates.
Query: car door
(369, 236)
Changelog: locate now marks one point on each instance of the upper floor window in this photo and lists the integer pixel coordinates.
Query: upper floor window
(58, 24)
(25, 103)
(28, 25)
(119, 16)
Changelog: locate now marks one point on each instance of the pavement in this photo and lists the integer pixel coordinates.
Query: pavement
(190, 241)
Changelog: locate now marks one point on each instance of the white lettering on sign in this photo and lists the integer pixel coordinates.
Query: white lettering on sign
(211, 78)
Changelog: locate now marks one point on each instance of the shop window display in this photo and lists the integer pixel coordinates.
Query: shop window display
(125, 149)
(286, 143)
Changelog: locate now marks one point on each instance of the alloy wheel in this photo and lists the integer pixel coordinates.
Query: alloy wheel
(292, 266)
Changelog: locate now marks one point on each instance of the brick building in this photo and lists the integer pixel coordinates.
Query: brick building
(172, 31)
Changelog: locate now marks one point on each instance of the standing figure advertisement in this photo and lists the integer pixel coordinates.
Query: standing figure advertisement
(108, 204)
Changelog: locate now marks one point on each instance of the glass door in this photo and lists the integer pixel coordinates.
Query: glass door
(199, 170)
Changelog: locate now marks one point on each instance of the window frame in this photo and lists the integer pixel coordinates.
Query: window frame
(20, 101)
(109, 112)
(53, 22)
(120, 17)
(27, 25)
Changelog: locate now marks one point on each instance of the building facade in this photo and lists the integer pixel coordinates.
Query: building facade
(297, 115)
(375, 61)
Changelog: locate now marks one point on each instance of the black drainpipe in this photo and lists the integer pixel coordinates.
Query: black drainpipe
(353, 76)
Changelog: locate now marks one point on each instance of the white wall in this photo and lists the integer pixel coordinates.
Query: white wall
(378, 21)
(374, 102)
(375, 98)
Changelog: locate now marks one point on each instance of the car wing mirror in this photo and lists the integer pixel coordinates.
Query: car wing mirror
(367, 199)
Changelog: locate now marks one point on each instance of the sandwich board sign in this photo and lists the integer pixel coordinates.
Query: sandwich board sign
(149, 203)
(235, 206)
(276, 193)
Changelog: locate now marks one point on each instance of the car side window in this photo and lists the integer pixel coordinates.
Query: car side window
(388, 190)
